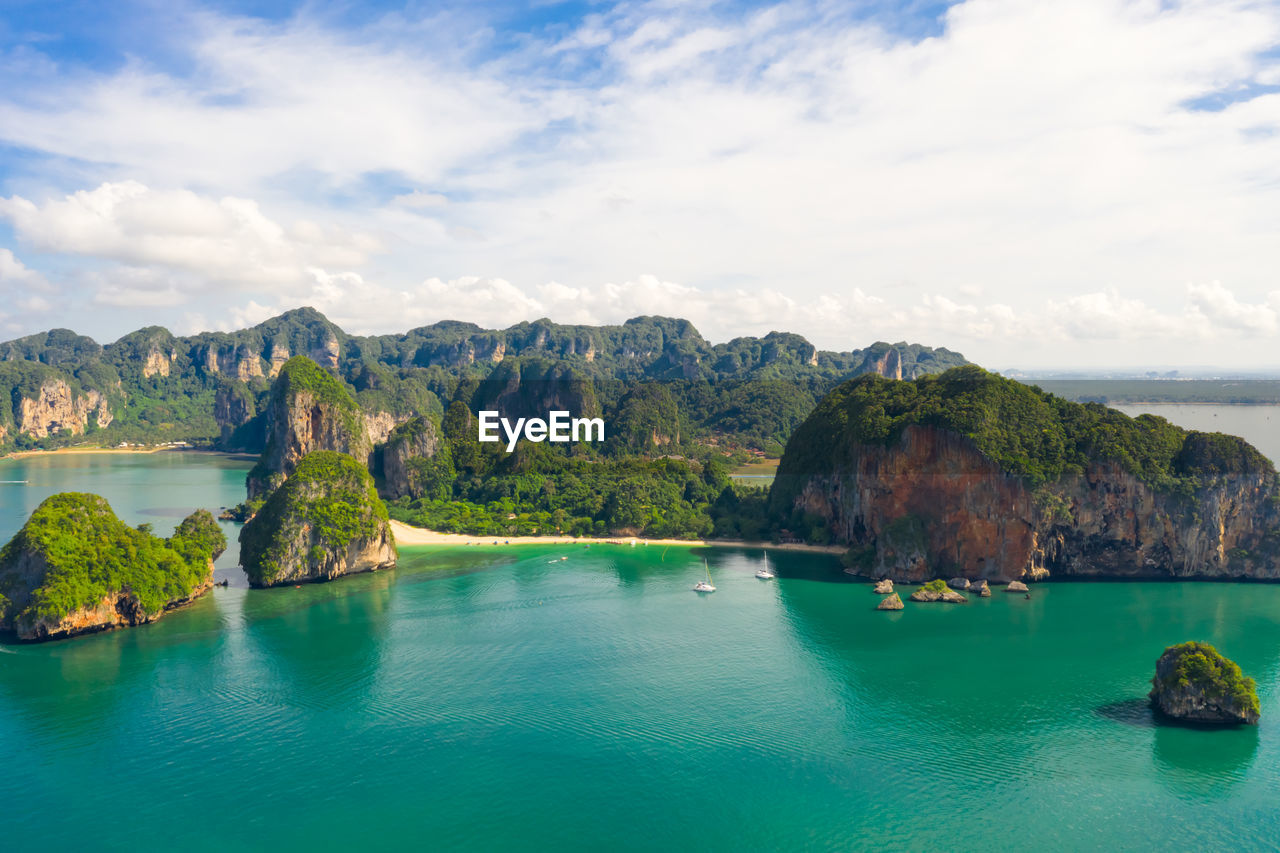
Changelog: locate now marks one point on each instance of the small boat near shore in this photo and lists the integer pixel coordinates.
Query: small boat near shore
(765, 574)
(706, 585)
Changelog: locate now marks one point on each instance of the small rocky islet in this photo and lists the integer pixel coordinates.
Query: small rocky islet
(1194, 683)
(75, 568)
(937, 590)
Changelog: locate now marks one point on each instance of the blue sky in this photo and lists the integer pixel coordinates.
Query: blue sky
(1090, 183)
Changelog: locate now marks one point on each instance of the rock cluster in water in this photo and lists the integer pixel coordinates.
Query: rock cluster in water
(326, 520)
(1193, 682)
(883, 587)
(891, 602)
(937, 590)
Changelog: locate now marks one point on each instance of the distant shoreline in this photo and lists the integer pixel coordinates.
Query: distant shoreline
(411, 536)
(85, 451)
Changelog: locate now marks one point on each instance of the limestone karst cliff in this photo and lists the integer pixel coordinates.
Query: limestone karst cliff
(968, 474)
(56, 407)
(324, 521)
(75, 568)
(407, 446)
(308, 410)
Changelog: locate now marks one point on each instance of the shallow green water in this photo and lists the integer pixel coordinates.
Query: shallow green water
(159, 489)
(490, 698)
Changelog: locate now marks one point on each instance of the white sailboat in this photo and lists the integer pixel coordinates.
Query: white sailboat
(765, 574)
(706, 585)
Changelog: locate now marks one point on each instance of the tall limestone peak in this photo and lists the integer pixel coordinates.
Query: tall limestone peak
(308, 410)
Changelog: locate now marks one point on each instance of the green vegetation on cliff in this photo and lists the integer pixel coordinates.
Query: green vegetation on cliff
(74, 552)
(1199, 668)
(212, 388)
(301, 375)
(1026, 431)
(329, 501)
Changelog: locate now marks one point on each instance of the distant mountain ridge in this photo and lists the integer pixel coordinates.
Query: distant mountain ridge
(209, 388)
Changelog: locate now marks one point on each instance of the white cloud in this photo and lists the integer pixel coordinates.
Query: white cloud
(419, 200)
(789, 167)
(228, 240)
(14, 274)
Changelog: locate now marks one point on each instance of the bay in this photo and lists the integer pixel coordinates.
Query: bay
(501, 698)
(1260, 425)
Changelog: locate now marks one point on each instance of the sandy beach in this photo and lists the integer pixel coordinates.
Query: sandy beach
(71, 451)
(85, 450)
(408, 535)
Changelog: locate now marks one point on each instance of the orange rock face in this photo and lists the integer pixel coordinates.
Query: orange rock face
(931, 505)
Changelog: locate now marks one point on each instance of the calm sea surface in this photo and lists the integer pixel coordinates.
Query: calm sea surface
(501, 698)
(1259, 424)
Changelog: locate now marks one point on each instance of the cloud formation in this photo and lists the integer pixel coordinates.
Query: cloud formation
(1029, 181)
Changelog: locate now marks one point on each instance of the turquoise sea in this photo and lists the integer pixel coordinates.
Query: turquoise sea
(499, 698)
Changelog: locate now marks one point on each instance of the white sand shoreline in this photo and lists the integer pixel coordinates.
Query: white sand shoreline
(410, 536)
(156, 448)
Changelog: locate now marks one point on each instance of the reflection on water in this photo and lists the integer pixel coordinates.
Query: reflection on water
(1204, 760)
(1133, 712)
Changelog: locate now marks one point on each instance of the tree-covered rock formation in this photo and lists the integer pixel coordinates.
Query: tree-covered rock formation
(937, 590)
(326, 520)
(76, 568)
(308, 410)
(212, 389)
(1194, 683)
(410, 467)
(969, 474)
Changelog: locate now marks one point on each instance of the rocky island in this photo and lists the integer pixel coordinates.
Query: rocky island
(972, 475)
(937, 590)
(76, 568)
(1194, 683)
(326, 520)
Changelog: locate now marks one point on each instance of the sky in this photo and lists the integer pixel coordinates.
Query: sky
(1084, 184)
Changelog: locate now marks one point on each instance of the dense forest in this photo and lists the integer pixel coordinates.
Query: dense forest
(656, 377)
(1030, 433)
(470, 487)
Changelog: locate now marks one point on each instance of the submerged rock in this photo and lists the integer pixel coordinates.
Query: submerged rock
(75, 568)
(1193, 682)
(883, 587)
(958, 583)
(891, 602)
(326, 520)
(1016, 586)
